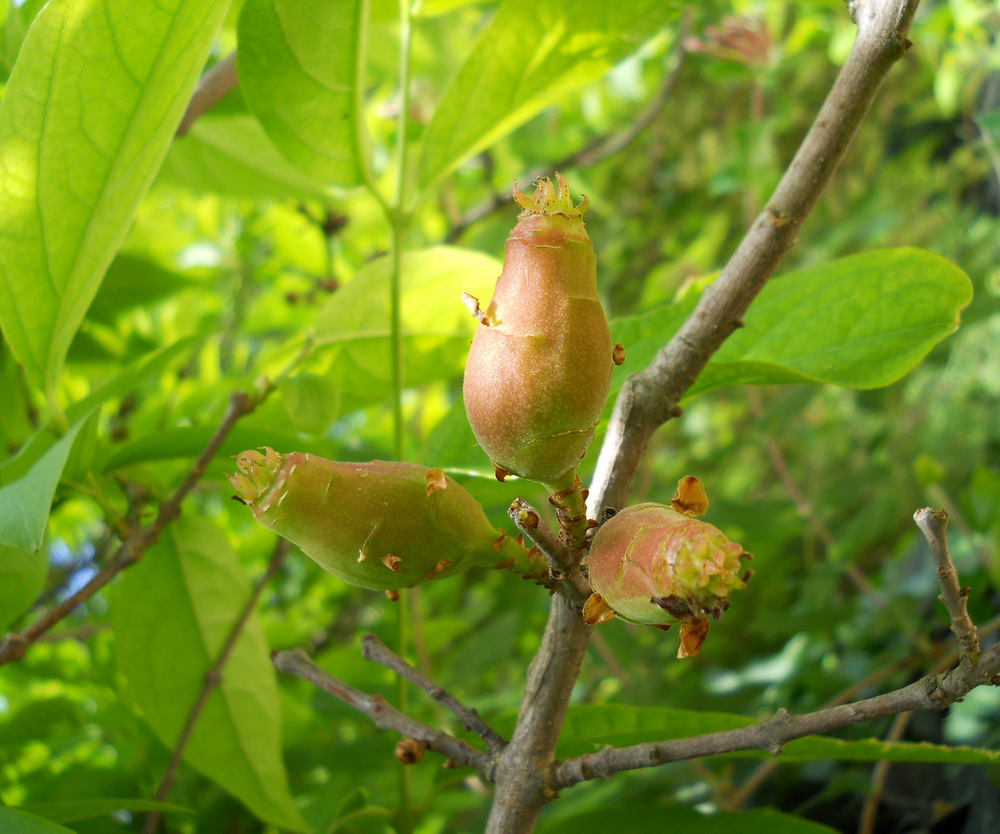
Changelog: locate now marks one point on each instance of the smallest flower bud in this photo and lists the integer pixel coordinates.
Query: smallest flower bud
(656, 565)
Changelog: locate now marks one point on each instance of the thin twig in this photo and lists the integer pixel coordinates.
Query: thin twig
(563, 563)
(765, 769)
(139, 540)
(934, 525)
(376, 651)
(935, 691)
(213, 679)
(385, 716)
(212, 88)
(866, 824)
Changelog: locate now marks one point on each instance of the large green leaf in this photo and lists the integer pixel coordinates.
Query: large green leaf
(14, 821)
(231, 155)
(860, 322)
(530, 56)
(658, 818)
(175, 612)
(22, 578)
(354, 326)
(75, 810)
(90, 110)
(299, 63)
(589, 728)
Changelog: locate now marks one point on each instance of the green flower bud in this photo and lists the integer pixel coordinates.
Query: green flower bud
(378, 525)
(539, 371)
(657, 565)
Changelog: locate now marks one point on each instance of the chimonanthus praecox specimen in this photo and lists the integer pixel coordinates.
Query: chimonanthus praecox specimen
(539, 371)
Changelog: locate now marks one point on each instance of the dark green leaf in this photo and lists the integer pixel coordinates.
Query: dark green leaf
(656, 819)
(14, 821)
(86, 809)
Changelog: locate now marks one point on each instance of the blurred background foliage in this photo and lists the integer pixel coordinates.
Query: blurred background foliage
(249, 266)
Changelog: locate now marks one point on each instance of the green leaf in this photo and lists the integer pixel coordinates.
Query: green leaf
(25, 499)
(860, 322)
(14, 821)
(299, 63)
(232, 155)
(655, 819)
(589, 728)
(134, 281)
(88, 115)
(354, 326)
(22, 579)
(28, 480)
(85, 809)
(531, 56)
(312, 401)
(189, 441)
(176, 609)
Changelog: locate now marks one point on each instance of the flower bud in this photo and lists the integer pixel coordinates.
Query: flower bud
(657, 565)
(378, 525)
(539, 371)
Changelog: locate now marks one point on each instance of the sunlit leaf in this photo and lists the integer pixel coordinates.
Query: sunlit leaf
(232, 155)
(90, 110)
(22, 578)
(354, 326)
(175, 612)
(530, 56)
(299, 64)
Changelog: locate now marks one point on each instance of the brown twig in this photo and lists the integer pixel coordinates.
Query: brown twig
(385, 716)
(597, 149)
(880, 773)
(935, 691)
(212, 88)
(563, 563)
(213, 679)
(139, 539)
(376, 651)
(934, 525)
